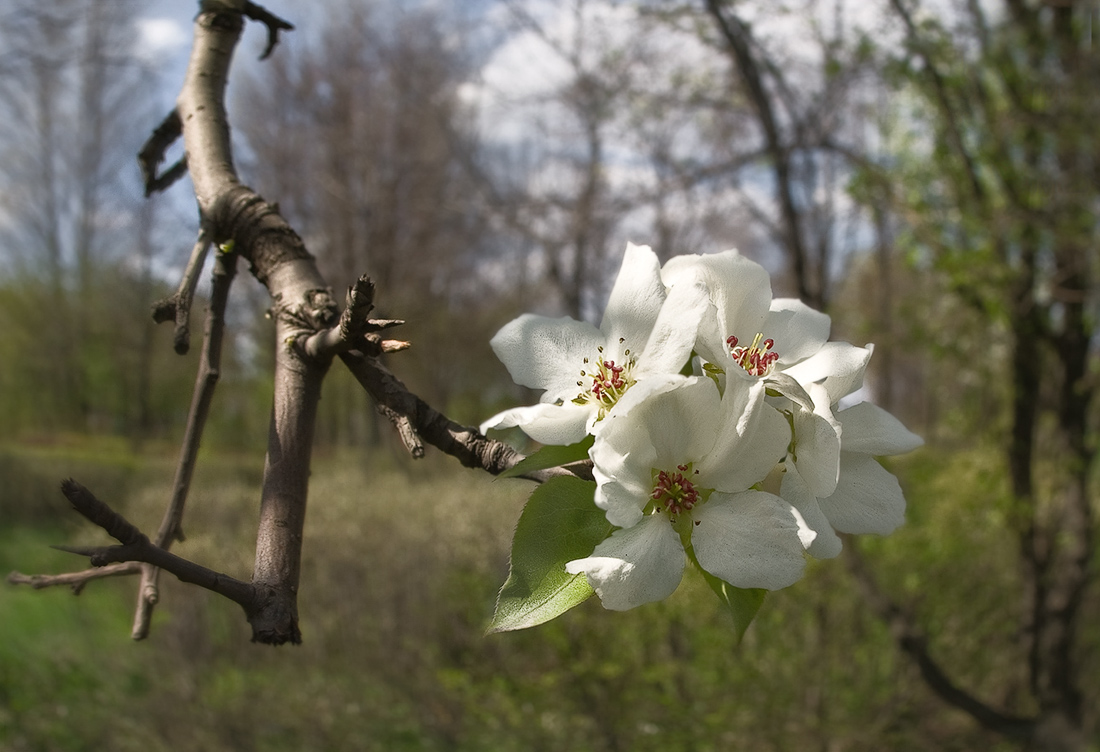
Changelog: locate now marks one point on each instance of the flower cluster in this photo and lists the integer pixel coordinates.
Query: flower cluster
(717, 434)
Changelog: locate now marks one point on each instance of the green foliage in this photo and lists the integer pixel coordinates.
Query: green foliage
(400, 571)
(550, 456)
(559, 524)
(115, 374)
(743, 604)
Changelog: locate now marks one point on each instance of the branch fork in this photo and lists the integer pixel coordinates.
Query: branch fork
(355, 330)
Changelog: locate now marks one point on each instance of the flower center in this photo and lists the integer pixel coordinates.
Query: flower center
(609, 382)
(674, 492)
(757, 359)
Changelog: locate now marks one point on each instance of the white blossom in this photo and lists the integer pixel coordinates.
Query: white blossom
(676, 471)
(585, 371)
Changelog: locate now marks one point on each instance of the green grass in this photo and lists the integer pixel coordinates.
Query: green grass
(401, 566)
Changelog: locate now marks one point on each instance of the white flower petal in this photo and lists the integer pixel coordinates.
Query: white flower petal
(871, 430)
(674, 334)
(545, 353)
(681, 423)
(751, 439)
(623, 454)
(823, 542)
(647, 386)
(672, 426)
(750, 540)
(798, 330)
(838, 365)
(547, 424)
(868, 499)
(739, 288)
(622, 489)
(636, 298)
(785, 384)
(710, 343)
(817, 444)
(675, 421)
(638, 565)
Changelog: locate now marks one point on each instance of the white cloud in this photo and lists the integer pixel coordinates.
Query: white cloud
(160, 37)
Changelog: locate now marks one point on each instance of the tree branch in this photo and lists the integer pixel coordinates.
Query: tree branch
(302, 305)
(153, 153)
(468, 445)
(225, 267)
(137, 547)
(75, 580)
(739, 40)
(308, 333)
(947, 110)
(178, 306)
(274, 25)
(912, 641)
(355, 330)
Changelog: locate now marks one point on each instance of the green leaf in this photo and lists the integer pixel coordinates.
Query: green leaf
(743, 603)
(559, 523)
(550, 456)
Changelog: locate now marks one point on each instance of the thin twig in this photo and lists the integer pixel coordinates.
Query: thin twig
(355, 330)
(411, 414)
(75, 580)
(274, 25)
(136, 546)
(225, 268)
(178, 306)
(153, 152)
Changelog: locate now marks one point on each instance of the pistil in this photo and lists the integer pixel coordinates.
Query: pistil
(674, 493)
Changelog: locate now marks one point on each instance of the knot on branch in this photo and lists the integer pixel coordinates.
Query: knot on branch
(358, 329)
(355, 330)
(175, 308)
(358, 303)
(314, 312)
(261, 235)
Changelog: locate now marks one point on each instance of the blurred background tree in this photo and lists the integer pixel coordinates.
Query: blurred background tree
(927, 175)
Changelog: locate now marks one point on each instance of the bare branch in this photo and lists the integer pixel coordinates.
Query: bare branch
(274, 25)
(178, 307)
(468, 445)
(410, 439)
(947, 109)
(137, 547)
(912, 641)
(739, 40)
(308, 332)
(75, 580)
(302, 302)
(206, 380)
(153, 152)
(355, 330)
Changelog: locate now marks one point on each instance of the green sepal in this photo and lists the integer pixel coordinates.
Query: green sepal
(560, 523)
(550, 456)
(743, 603)
(714, 372)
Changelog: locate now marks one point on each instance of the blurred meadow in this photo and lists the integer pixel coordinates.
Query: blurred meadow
(927, 177)
(402, 564)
